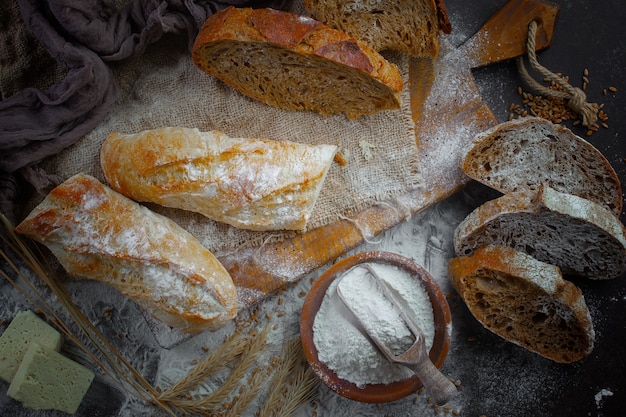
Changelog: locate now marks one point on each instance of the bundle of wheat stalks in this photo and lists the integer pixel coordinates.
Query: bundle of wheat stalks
(291, 380)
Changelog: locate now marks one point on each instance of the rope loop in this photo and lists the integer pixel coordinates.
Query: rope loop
(575, 97)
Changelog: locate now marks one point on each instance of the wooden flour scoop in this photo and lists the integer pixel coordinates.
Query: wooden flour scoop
(414, 355)
(448, 111)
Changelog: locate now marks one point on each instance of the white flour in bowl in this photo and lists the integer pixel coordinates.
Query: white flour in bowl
(347, 351)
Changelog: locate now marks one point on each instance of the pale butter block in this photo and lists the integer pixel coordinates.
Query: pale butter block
(47, 380)
(14, 342)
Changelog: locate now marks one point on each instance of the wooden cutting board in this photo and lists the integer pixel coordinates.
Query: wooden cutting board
(448, 111)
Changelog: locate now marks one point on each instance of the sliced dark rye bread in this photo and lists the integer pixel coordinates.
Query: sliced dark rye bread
(524, 301)
(296, 63)
(576, 234)
(526, 152)
(410, 26)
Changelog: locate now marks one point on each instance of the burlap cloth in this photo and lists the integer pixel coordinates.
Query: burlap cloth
(164, 88)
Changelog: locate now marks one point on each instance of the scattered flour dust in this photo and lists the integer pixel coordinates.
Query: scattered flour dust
(599, 397)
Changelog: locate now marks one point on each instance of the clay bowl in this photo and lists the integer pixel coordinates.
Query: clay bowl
(374, 393)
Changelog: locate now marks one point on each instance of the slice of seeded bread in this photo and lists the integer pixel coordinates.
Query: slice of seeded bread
(526, 152)
(410, 26)
(576, 234)
(525, 301)
(296, 63)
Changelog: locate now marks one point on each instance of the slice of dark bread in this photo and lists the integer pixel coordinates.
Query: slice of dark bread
(525, 301)
(580, 236)
(409, 26)
(526, 152)
(296, 63)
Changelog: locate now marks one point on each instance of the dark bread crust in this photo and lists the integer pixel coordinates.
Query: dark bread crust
(578, 235)
(407, 26)
(442, 15)
(296, 63)
(524, 301)
(524, 153)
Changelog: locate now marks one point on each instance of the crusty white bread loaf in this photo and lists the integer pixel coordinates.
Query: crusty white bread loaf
(410, 26)
(526, 152)
(525, 301)
(255, 184)
(97, 233)
(296, 63)
(581, 237)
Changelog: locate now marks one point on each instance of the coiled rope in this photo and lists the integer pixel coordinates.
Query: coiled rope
(575, 97)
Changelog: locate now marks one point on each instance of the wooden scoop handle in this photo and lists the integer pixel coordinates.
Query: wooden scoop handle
(438, 386)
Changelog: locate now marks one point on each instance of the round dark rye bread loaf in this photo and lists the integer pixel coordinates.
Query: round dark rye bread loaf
(581, 237)
(296, 63)
(408, 26)
(525, 301)
(526, 152)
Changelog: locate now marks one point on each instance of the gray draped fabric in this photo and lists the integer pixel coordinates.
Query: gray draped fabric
(82, 36)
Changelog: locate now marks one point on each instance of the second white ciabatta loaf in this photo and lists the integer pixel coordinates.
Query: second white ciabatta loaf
(580, 236)
(525, 301)
(97, 233)
(254, 184)
(527, 152)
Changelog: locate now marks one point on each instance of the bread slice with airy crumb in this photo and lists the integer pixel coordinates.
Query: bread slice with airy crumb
(525, 301)
(580, 236)
(526, 152)
(409, 26)
(296, 63)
